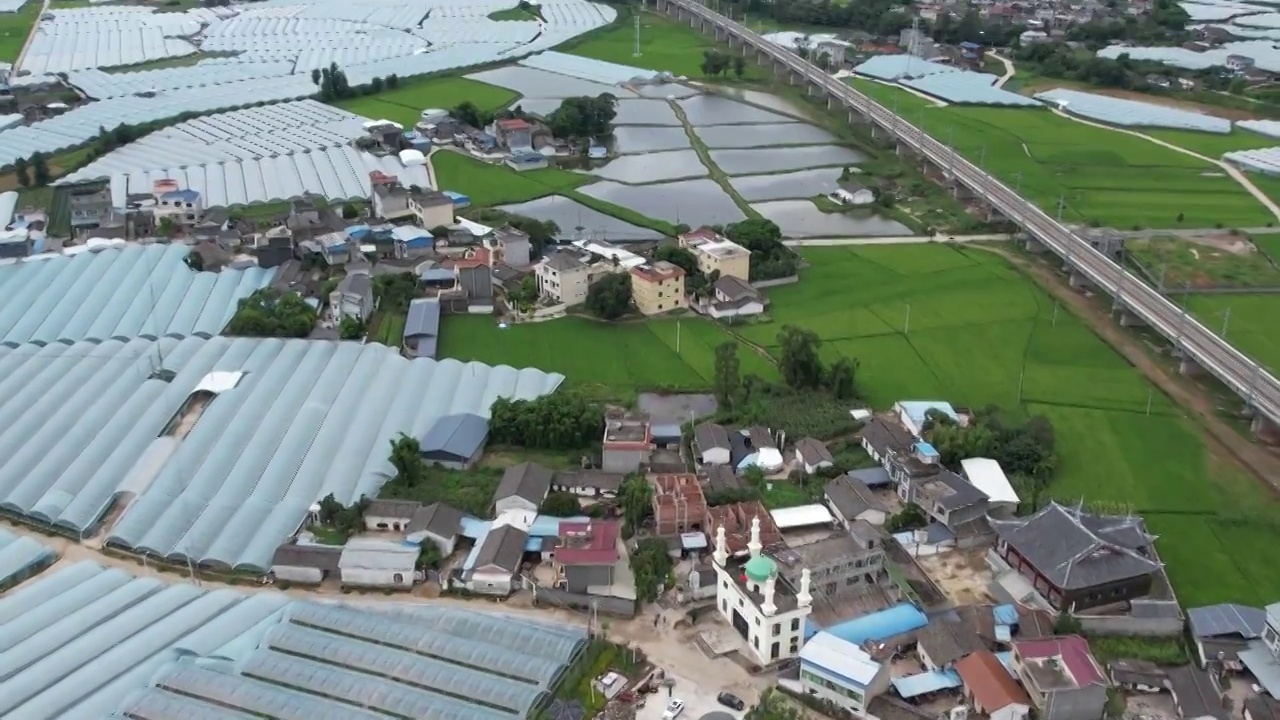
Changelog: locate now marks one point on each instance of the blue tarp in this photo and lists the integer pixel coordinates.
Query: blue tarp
(925, 448)
(1005, 614)
(916, 685)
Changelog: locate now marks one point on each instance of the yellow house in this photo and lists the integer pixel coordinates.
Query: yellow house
(715, 252)
(657, 288)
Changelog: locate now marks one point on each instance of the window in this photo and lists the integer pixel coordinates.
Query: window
(795, 625)
(397, 578)
(757, 621)
(773, 653)
(739, 602)
(777, 629)
(755, 642)
(724, 606)
(724, 584)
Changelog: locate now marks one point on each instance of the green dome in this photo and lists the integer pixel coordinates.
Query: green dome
(760, 569)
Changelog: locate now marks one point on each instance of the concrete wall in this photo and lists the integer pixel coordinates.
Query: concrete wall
(365, 577)
(612, 606)
(1125, 625)
(622, 461)
(789, 280)
(286, 573)
(491, 582)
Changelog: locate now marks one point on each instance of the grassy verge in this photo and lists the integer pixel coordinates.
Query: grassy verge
(718, 175)
(624, 214)
(1183, 263)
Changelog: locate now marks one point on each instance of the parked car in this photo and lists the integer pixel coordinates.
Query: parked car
(674, 708)
(730, 700)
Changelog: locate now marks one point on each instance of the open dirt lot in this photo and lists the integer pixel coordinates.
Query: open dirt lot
(962, 574)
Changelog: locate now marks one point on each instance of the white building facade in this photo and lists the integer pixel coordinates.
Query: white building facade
(756, 603)
(840, 672)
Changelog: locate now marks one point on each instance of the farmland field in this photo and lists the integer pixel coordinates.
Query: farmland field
(1104, 176)
(14, 29)
(664, 46)
(406, 103)
(610, 361)
(488, 184)
(1251, 326)
(1183, 263)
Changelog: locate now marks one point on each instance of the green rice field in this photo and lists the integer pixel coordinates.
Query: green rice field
(406, 103)
(1109, 177)
(14, 29)
(607, 360)
(664, 46)
(1251, 327)
(488, 184)
(978, 332)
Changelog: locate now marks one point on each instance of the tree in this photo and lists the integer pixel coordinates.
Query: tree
(800, 364)
(841, 378)
(315, 76)
(351, 328)
(376, 85)
(195, 261)
(610, 298)
(271, 313)
(563, 420)
(635, 497)
(560, 504)
(167, 227)
(769, 257)
(584, 117)
(21, 169)
(727, 379)
(429, 556)
(40, 168)
(393, 81)
(911, 517)
(739, 66)
(350, 211)
(466, 113)
(1067, 624)
(678, 256)
(406, 458)
(650, 566)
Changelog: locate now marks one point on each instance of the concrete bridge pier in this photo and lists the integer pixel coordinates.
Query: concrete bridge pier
(817, 91)
(1129, 319)
(1032, 245)
(1190, 368)
(959, 190)
(1077, 279)
(1264, 430)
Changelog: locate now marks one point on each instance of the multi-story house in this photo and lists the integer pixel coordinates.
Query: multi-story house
(658, 288)
(716, 253)
(563, 278)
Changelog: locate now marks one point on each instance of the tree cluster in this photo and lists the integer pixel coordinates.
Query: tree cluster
(695, 282)
(1085, 66)
(769, 257)
(332, 82)
(726, 380)
(1025, 451)
(716, 63)
(650, 565)
(878, 17)
(348, 521)
(562, 420)
(38, 167)
(467, 113)
(560, 504)
(910, 517)
(584, 117)
(394, 291)
(635, 497)
(351, 328)
(610, 297)
(803, 369)
(271, 313)
(970, 27)
(541, 232)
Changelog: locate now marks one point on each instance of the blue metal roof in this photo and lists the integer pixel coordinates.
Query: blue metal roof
(137, 291)
(81, 423)
(909, 686)
(178, 650)
(881, 625)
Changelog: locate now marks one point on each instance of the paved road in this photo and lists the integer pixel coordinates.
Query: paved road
(1243, 375)
(1008, 67)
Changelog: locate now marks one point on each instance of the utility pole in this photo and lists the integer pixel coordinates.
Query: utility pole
(677, 337)
(1062, 204)
(1054, 322)
(906, 326)
(1226, 319)
(1022, 376)
(1150, 394)
(1017, 178)
(636, 53)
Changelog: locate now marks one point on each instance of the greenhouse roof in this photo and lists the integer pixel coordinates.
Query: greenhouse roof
(1131, 113)
(138, 291)
(337, 173)
(259, 132)
(20, 554)
(83, 422)
(87, 641)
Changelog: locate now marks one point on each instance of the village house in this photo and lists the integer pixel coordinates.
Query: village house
(182, 207)
(1221, 632)
(1077, 560)
(657, 288)
(988, 685)
(851, 500)
(563, 278)
(371, 563)
(842, 673)
(308, 564)
(1061, 677)
(431, 209)
(627, 443)
(497, 563)
(509, 246)
(353, 297)
(716, 253)
(854, 194)
(514, 134)
(882, 439)
(456, 441)
(678, 504)
(522, 489)
(422, 328)
(1262, 657)
(844, 563)
(712, 445)
(812, 455)
(732, 297)
(89, 204)
(942, 643)
(586, 554)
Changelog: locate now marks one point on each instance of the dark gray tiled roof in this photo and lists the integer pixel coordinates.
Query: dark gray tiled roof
(1137, 672)
(959, 493)
(1063, 547)
(320, 557)
(722, 477)
(502, 547)
(590, 480)
(947, 642)
(530, 481)
(563, 261)
(402, 509)
(735, 288)
(852, 497)
(1262, 707)
(883, 436)
(871, 477)
(438, 519)
(710, 435)
(813, 450)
